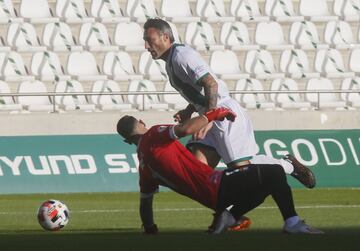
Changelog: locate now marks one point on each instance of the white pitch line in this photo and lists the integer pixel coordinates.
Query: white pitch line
(185, 209)
(204, 209)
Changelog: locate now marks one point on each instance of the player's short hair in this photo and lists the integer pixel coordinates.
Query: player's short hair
(125, 126)
(160, 25)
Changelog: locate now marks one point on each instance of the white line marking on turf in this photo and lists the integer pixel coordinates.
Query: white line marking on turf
(204, 209)
(185, 209)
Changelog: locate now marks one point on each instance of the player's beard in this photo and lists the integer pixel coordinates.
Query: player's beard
(154, 55)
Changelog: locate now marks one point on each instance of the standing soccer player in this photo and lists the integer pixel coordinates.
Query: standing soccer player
(192, 77)
(163, 160)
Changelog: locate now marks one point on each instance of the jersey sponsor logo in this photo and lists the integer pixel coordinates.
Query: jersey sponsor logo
(200, 70)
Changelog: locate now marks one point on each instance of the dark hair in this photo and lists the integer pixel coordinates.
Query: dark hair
(125, 126)
(160, 25)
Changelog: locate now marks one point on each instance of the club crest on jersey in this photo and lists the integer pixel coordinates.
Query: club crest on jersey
(161, 128)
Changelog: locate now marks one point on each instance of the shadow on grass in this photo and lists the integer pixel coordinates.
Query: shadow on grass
(131, 239)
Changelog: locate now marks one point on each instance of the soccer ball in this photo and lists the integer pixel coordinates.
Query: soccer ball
(53, 215)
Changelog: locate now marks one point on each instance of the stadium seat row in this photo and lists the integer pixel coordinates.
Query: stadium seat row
(74, 11)
(82, 65)
(117, 64)
(137, 99)
(128, 36)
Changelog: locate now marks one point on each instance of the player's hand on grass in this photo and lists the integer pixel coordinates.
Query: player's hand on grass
(153, 229)
(202, 133)
(220, 114)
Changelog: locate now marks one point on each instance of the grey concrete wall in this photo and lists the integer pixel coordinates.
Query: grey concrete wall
(105, 122)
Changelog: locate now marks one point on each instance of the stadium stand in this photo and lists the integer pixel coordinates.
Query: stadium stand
(329, 63)
(8, 13)
(58, 37)
(277, 43)
(230, 70)
(3, 47)
(72, 11)
(281, 11)
(139, 11)
(83, 66)
(107, 11)
(23, 38)
(287, 100)
(213, 11)
(107, 102)
(316, 11)
(353, 99)
(72, 102)
(200, 35)
(178, 11)
(13, 68)
(177, 38)
(347, 10)
(175, 101)
(46, 66)
(247, 11)
(152, 69)
(235, 36)
(354, 61)
(34, 103)
(41, 14)
(252, 100)
(260, 64)
(305, 36)
(145, 101)
(133, 41)
(324, 99)
(7, 103)
(295, 64)
(269, 35)
(94, 37)
(338, 34)
(119, 67)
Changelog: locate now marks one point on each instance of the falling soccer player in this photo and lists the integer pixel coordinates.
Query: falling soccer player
(163, 160)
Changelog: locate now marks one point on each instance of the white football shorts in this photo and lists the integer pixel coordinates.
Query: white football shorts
(233, 141)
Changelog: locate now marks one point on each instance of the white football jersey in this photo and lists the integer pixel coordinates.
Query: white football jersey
(185, 67)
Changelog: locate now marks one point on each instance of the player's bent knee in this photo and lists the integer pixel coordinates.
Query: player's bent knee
(274, 174)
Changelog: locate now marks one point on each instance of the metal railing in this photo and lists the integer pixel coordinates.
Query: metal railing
(143, 94)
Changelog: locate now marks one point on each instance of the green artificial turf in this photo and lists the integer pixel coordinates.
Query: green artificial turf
(110, 221)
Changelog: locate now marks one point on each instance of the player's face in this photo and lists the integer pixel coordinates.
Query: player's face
(139, 126)
(156, 42)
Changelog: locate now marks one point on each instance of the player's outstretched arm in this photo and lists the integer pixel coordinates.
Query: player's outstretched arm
(146, 215)
(195, 124)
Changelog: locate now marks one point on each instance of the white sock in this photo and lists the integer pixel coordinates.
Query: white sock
(290, 222)
(230, 219)
(287, 166)
(265, 159)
